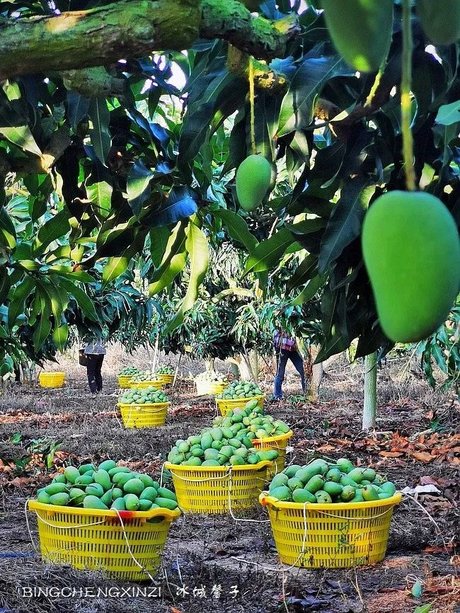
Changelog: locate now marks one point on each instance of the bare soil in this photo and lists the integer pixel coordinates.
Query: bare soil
(218, 562)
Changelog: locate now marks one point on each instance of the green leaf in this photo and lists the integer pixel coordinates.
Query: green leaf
(344, 225)
(100, 194)
(448, 114)
(18, 296)
(84, 302)
(268, 252)
(42, 329)
(158, 243)
(22, 137)
(7, 230)
(310, 290)
(100, 134)
(175, 246)
(237, 228)
(303, 273)
(175, 266)
(198, 250)
(72, 275)
(53, 229)
(60, 336)
(298, 104)
(114, 267)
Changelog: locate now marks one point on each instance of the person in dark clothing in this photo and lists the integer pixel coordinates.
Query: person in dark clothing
(94, 352)
(286, 349)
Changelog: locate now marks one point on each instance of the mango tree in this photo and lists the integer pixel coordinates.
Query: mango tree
(106, 172)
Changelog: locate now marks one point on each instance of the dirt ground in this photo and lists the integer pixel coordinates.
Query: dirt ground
(218, 562)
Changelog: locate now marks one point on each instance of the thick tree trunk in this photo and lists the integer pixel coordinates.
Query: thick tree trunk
(370, 391)
(103, 35)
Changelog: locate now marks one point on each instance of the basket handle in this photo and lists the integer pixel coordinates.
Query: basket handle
(51, 525)
(390, 508)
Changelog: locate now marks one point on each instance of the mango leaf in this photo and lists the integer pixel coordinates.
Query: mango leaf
(158, 242)
(22, 137)
(60, 336)
(84, 302)
(174, 247)
(100, 194)
(72, 275)
(175, 266)
(268, 252)
(298, 103)
(138, 185)
(42, 329)
(18, 296)
(100, 134)
(448, 114)
(179, 205)
(55, 228)
(7, 230)
(344, 225)
(237, 228)
(57, 298)
(303, 273)
(114, 267)
(310, 290)
(77, 108)
(198, 250)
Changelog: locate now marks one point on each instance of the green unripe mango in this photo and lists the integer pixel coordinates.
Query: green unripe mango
(60, 499)
(93, 502)
(361, 30)
(440, 20)
(412, 254)
(71, 473)
(107, 465)
(253, 178)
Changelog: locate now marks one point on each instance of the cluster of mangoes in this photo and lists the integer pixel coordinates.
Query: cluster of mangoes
(211, 377)
(148, 395)
(240, 389)
(165, 370)
(226, 446)
(143, 375)
(258, 425)
(107, 486)
(128, 371)
(326, 482)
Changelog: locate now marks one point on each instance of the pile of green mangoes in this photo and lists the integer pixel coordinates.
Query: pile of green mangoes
(324, 482)
(128, 371)
(165, 370)
(240, 389)
(143, 375)
(106, 486)
(226, 446)
(148, 395)
(258, 425)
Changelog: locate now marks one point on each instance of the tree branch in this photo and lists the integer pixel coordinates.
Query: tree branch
(134, 28)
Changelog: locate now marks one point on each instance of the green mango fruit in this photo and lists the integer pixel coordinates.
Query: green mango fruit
(440, 20)
(411, 251)
(253, 178)
(361, 30)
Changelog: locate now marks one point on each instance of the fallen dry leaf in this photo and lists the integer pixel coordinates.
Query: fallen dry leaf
(422, 456)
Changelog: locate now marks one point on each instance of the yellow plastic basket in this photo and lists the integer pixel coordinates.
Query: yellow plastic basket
(279, 443)
(124, 380)
(218, 489)
(51, 379)
(125, 545)
(148, 415)
(337, 535)
(140, 385)
(210, 388)
(225, 406)
(165, 379)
